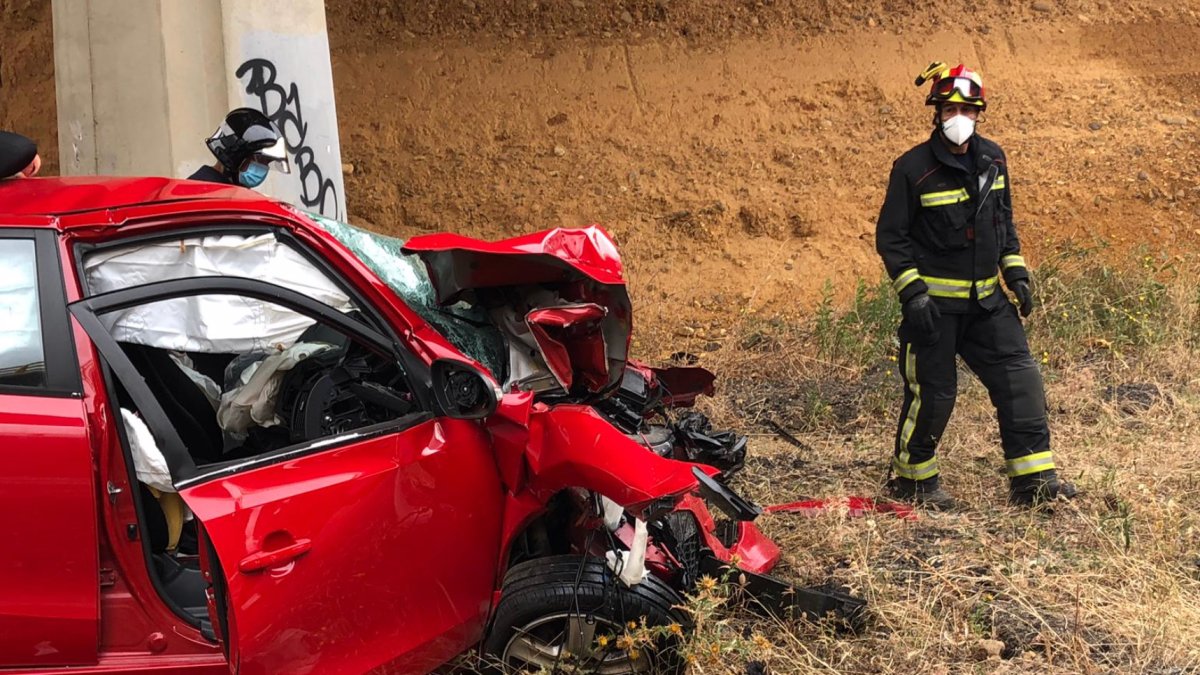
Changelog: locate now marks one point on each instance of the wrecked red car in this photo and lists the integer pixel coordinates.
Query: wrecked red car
(238, 437)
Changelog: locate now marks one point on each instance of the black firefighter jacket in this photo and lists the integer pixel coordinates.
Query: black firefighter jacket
(947, 231)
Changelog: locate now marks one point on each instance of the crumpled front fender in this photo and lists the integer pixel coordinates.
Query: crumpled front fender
(573, 446)
(544, 449)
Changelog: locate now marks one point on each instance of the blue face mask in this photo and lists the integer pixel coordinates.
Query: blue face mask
(253, 174)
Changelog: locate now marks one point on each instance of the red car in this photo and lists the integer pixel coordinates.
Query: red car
(240, 437)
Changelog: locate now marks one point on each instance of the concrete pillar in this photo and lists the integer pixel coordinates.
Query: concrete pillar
(141, 83)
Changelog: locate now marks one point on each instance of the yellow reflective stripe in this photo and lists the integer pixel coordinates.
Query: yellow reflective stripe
(956, 283)
(986, 287)
(944, 198)
(948, 288)
(906, 277)
(910, 420)
(922, 471)
(1023, 466)
(999, 183)
(1012, 261)
(960, 288)
(945, 293)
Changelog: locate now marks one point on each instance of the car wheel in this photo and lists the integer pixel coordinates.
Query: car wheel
(567, 613)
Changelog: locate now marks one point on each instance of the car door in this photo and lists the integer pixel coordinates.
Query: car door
(373, 549)
(49, 571)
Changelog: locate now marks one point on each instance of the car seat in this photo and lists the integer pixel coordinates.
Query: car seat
(184, 404)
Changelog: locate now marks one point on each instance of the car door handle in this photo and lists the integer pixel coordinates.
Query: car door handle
(262, 560)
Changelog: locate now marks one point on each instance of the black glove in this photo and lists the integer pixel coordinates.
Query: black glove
(922, 315)
(1024, 295)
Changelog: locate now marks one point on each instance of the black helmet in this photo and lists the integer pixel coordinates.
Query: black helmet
(248, 137)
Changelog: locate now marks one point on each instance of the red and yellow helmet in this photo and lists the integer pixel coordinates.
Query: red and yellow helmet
(953, 85)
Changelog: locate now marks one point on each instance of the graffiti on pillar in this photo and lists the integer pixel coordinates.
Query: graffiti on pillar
(282, 105)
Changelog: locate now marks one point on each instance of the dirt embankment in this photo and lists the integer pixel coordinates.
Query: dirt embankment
(27, 102)
(737, 150)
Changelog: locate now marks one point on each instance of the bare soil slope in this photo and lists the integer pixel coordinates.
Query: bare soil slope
(27, 103)
(739, 151)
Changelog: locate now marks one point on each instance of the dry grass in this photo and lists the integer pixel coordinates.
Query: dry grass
(1107, 583)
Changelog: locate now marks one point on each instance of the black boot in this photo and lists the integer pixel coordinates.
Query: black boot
(925, 493)
(1038, 488)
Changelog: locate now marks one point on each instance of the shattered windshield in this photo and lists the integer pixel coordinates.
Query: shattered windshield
(466, 327)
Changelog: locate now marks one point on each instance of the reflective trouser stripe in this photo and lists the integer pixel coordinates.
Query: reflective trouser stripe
(1012, 261)
(944, 198)
(921, 471)
(905, 278)
(960, 288)
(1023, 466)
(900, 463)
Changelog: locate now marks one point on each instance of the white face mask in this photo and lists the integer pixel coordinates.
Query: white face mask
(958, 129)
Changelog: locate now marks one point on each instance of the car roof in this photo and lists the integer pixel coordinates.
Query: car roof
(80, 194)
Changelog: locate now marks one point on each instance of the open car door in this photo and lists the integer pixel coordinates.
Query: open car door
(367, 548)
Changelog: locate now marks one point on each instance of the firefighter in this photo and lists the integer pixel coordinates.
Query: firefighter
(247, 146)
(946, 236)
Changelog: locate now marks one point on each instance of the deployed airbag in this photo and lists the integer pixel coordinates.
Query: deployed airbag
(224, 324)
(148, 461)
(253, 402)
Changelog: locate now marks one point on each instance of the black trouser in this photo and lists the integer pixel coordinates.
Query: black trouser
(993, 345)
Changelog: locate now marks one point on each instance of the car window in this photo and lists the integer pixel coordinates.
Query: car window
(234, 396)
(209, 323)
(22, 360)
(464, 325)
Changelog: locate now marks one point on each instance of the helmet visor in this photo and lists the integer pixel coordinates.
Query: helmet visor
(275, 157)
(967, 90)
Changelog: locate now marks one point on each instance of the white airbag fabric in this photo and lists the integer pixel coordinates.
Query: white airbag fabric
(223, 324)
(254, 401)
(148, 460)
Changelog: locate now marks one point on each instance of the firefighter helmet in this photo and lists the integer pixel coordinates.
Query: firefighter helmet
(953, 85)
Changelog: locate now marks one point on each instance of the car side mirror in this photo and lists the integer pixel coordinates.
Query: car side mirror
(463, 392)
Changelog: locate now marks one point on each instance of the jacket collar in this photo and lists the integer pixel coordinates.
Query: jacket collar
(943, 154)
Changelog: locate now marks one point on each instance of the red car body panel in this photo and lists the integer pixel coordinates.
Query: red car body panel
(573, 446)
(366, 523)
(457, 262)
(49, 612)
(59, 196)
(752, 549)
(542, 450)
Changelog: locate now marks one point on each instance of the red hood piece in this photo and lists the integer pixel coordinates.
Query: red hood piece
(457, 263)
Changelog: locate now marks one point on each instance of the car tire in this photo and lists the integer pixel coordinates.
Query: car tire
(566, 603)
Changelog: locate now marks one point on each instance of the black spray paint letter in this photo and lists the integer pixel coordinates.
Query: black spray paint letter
(282, 105)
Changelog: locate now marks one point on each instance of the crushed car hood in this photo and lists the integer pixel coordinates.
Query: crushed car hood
(457, 263)
(558, 296)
